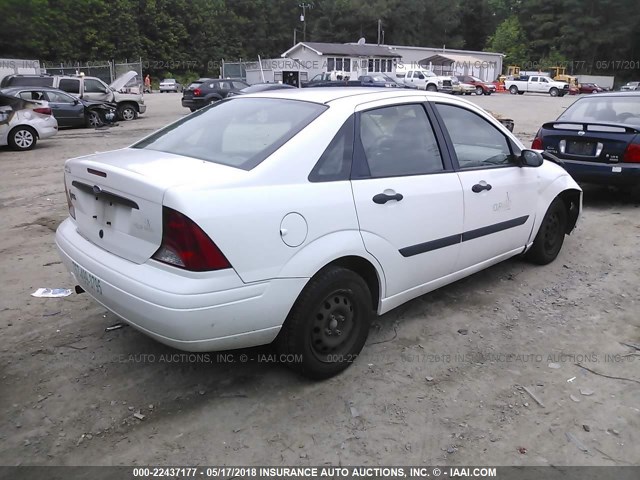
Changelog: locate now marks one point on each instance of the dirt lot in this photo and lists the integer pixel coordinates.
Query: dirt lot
(421, 393)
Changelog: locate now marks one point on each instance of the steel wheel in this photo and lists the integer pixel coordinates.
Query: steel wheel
(550, 236)
(333, 326)
(328, 324)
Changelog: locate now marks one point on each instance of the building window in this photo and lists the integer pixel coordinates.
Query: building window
(370, 69)
(377, 65)
(339, 64)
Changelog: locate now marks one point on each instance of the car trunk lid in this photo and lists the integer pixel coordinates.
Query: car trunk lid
(590, 142)
(117, 196)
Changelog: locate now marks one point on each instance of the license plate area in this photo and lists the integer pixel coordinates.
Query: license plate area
(580, 148)
(87, 280)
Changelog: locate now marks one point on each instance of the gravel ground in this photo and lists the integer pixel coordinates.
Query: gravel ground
(441, 381)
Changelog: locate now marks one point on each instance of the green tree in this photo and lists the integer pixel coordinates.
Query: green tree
(510, 40)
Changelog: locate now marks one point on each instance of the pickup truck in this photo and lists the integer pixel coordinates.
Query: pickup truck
(129, 100)
(537, 84)
(427, 80)
(370, 80)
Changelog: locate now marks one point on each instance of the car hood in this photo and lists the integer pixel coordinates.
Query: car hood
(122, 80)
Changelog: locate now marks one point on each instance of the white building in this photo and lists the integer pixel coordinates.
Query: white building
(306, 59)
(485, 65)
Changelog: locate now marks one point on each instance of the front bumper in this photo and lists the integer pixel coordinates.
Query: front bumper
(622, 174)
(142, 108)
(179, 309)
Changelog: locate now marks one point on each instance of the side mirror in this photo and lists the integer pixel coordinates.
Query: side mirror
(530, 158)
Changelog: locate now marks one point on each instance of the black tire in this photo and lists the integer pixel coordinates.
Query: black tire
(479, 91)
(192, 109)
(550, 237)
(431, 88)
(336, 301)
(513, 90)
(22, 138)
(127, 112)
(554, 92)
(520, 93)
(93, 119)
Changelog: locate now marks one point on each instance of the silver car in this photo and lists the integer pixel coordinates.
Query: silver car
(170, 85)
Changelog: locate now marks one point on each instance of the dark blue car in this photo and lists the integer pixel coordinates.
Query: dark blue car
(597, 138)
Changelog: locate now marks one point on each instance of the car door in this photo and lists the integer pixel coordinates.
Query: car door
(94, 89)
(408, 198)
(499, 196)
(68, 111)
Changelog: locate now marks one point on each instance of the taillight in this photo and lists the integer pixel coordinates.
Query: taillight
(185, 245)
(72, 209)
(537, 142)
(197, 92)
(632, 153)
(43, 110)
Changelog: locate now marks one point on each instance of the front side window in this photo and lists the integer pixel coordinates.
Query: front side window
(94, 86)
(399, 140)
(55, 97)
(477, 143)
(239, 133)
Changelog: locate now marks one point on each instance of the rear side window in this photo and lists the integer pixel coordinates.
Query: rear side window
(335, 162)
(69, 85)
(239, 133)
(27, 81)
(399, 141)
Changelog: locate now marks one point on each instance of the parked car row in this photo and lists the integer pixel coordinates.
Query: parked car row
(123, 91)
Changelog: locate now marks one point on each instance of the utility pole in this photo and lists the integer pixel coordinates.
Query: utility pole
(379, 30)
(303, 19)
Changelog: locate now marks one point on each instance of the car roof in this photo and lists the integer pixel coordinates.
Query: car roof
(613, 94)
(356, 95)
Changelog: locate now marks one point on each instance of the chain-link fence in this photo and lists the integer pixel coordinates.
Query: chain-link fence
(107, 71)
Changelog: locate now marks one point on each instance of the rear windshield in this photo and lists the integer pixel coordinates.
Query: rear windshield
(194, 85)
(604, 108)
(239, 133)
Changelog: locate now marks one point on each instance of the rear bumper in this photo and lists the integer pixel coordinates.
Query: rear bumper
(193, 102)
(179, 309)
(47, 128)
(622, 174)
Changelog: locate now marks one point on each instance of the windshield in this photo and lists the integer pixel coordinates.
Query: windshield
(604, 108)
(238, 133)
(476, 79)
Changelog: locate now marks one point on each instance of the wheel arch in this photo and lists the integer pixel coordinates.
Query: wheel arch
(125, 103)
(320, 254)
(565, 188)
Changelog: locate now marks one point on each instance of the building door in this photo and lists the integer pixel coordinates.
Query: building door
(291, 78)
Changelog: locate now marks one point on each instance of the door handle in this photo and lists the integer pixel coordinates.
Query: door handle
(479, 187)
(384, 198)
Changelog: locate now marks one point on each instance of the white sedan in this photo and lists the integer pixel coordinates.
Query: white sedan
(295, 216)
(23, 122)
(169, 85)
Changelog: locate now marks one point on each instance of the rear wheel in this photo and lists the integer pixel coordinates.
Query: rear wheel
(550, 237)
(328, 324)
(513, 90)
(22, 138)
